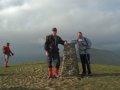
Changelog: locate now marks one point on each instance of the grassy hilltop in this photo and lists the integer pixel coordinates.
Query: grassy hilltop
(33, 77)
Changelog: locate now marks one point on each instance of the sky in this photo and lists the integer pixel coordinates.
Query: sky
(25, 23)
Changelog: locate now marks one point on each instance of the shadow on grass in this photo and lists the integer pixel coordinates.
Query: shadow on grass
(105, 74)
(1, 75)
(19, 88)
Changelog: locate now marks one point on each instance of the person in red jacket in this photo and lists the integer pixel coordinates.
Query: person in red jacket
(7, 53)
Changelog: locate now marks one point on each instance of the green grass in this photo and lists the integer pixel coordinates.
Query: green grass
(33, 77)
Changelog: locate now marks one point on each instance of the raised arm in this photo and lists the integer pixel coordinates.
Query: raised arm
(62, 42)
(11, 52)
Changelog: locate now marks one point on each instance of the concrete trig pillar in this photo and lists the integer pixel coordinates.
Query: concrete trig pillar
(69, 66)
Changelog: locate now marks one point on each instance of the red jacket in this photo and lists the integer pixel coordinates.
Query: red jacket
(6, 50)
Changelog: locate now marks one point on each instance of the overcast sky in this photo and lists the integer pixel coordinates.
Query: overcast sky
(27, 22)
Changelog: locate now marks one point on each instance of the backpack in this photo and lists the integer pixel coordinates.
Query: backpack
(4, 49)
(89, 44)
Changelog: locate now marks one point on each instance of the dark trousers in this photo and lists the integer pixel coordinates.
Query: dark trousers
(85, 60)
(54, 59)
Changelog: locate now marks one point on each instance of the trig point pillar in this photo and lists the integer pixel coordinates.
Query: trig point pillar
(69, 64)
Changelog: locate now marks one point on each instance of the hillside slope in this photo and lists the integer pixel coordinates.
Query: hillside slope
(33, 77)
(104, 57)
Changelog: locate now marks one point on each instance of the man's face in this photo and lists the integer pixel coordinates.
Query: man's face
(54, 33)
(79, 35)
(8, 44)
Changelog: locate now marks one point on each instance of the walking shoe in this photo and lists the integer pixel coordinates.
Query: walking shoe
(90, 74)
(83, 74)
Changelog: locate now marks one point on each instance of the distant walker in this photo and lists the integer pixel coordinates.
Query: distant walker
(7, 53)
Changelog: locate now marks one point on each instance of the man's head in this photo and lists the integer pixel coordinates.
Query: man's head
(54, 31)
(79, 34)
(8, 44)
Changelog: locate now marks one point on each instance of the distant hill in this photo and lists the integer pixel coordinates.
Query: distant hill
(117, 51)
(104, 57)
(97, 57)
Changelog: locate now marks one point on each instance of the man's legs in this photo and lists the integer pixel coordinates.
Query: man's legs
(88, 63)
(82, 57)
(49, 66)
(6, 58)
(57, 65)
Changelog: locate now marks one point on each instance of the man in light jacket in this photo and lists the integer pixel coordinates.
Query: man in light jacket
(83, 45)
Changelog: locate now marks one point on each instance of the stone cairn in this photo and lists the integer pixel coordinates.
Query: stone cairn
(69, 66)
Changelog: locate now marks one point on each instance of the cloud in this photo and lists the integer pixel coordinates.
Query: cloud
(29, 21)
(15, 9)
(10, 3)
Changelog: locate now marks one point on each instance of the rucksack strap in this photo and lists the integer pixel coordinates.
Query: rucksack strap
(86, 41)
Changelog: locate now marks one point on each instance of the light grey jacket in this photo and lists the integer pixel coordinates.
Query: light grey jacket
(83, 45)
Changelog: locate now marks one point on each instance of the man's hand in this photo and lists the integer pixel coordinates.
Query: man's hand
(66, 43)
(46, 53)
(12, 54)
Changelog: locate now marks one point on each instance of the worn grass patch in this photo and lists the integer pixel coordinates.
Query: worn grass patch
(34, 77)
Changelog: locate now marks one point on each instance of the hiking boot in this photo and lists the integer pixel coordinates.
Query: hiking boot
(83, 74)
(50, 78)
(49, 72)
(90, 74)
(57, 76)
(56, 72)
